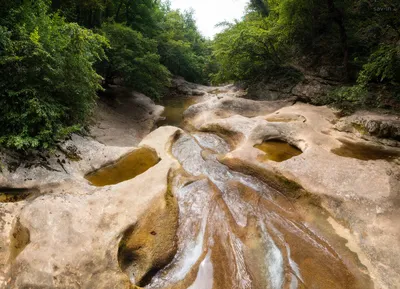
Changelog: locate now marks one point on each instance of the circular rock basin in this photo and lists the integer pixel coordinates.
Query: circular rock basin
(277, 151)
(128, 167)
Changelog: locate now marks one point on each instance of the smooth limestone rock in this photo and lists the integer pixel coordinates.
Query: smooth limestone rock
(70, 162)
(227, 105)
(69, 234)
(80, 236)
(180, 86)
(363, 194)
(123, 117)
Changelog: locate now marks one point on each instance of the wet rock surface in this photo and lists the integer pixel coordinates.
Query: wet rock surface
(237, 232)
(215, 211)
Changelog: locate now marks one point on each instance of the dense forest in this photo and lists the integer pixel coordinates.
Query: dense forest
(358, 41)
(55, 56)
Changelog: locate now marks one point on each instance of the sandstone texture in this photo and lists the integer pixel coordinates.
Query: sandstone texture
(373, 126)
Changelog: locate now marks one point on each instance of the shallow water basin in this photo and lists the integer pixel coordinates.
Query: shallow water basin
(128, 167)
(174, 109)
(14, 195)
(277, 151)
(365, 152)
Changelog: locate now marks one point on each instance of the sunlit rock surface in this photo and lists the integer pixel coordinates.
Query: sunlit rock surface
(71, 236)
(215, 211)
(362, 193)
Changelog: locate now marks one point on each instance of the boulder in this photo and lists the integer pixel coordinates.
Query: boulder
(225, 106)
(371, 124)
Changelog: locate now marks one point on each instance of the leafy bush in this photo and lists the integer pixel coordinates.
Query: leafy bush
(247, 50)
(47, 82)
(383, 66)
(183, 50)
(133, 58)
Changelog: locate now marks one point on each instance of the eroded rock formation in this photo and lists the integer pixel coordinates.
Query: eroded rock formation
(217, 208)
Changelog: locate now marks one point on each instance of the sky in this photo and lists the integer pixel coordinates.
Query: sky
(211, 12)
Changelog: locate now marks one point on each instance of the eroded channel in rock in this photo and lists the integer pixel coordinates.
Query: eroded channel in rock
(237, 232)
(128, 167)
(150, 244)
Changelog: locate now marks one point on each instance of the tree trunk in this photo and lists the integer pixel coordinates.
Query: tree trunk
(55, 5)
(118, 10)
(261, 7)
(337, 17)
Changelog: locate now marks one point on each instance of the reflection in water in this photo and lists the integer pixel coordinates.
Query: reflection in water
(174, 109)
(237, 232)
(128, 167)
(277, 151)
(365, 152)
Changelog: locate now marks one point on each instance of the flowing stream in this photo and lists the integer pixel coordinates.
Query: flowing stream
(238, 232)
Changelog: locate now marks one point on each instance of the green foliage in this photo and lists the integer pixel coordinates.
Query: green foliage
(183, 50)
(383, 65)
(47, 83)
(359, 38)
(133, 58)
(180, 46)
(247, 50)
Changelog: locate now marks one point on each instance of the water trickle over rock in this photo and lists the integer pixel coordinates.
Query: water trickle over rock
(237, 232)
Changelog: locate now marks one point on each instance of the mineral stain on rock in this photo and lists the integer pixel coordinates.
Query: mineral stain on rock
(128, 167)
(19, 239)
(150, 244)
(365, 152)
(277, 151)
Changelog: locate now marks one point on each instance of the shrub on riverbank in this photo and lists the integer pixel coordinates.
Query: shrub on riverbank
(357, 40)
(47, 82)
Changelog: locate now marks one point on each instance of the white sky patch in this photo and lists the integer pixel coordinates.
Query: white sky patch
(208, 13)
